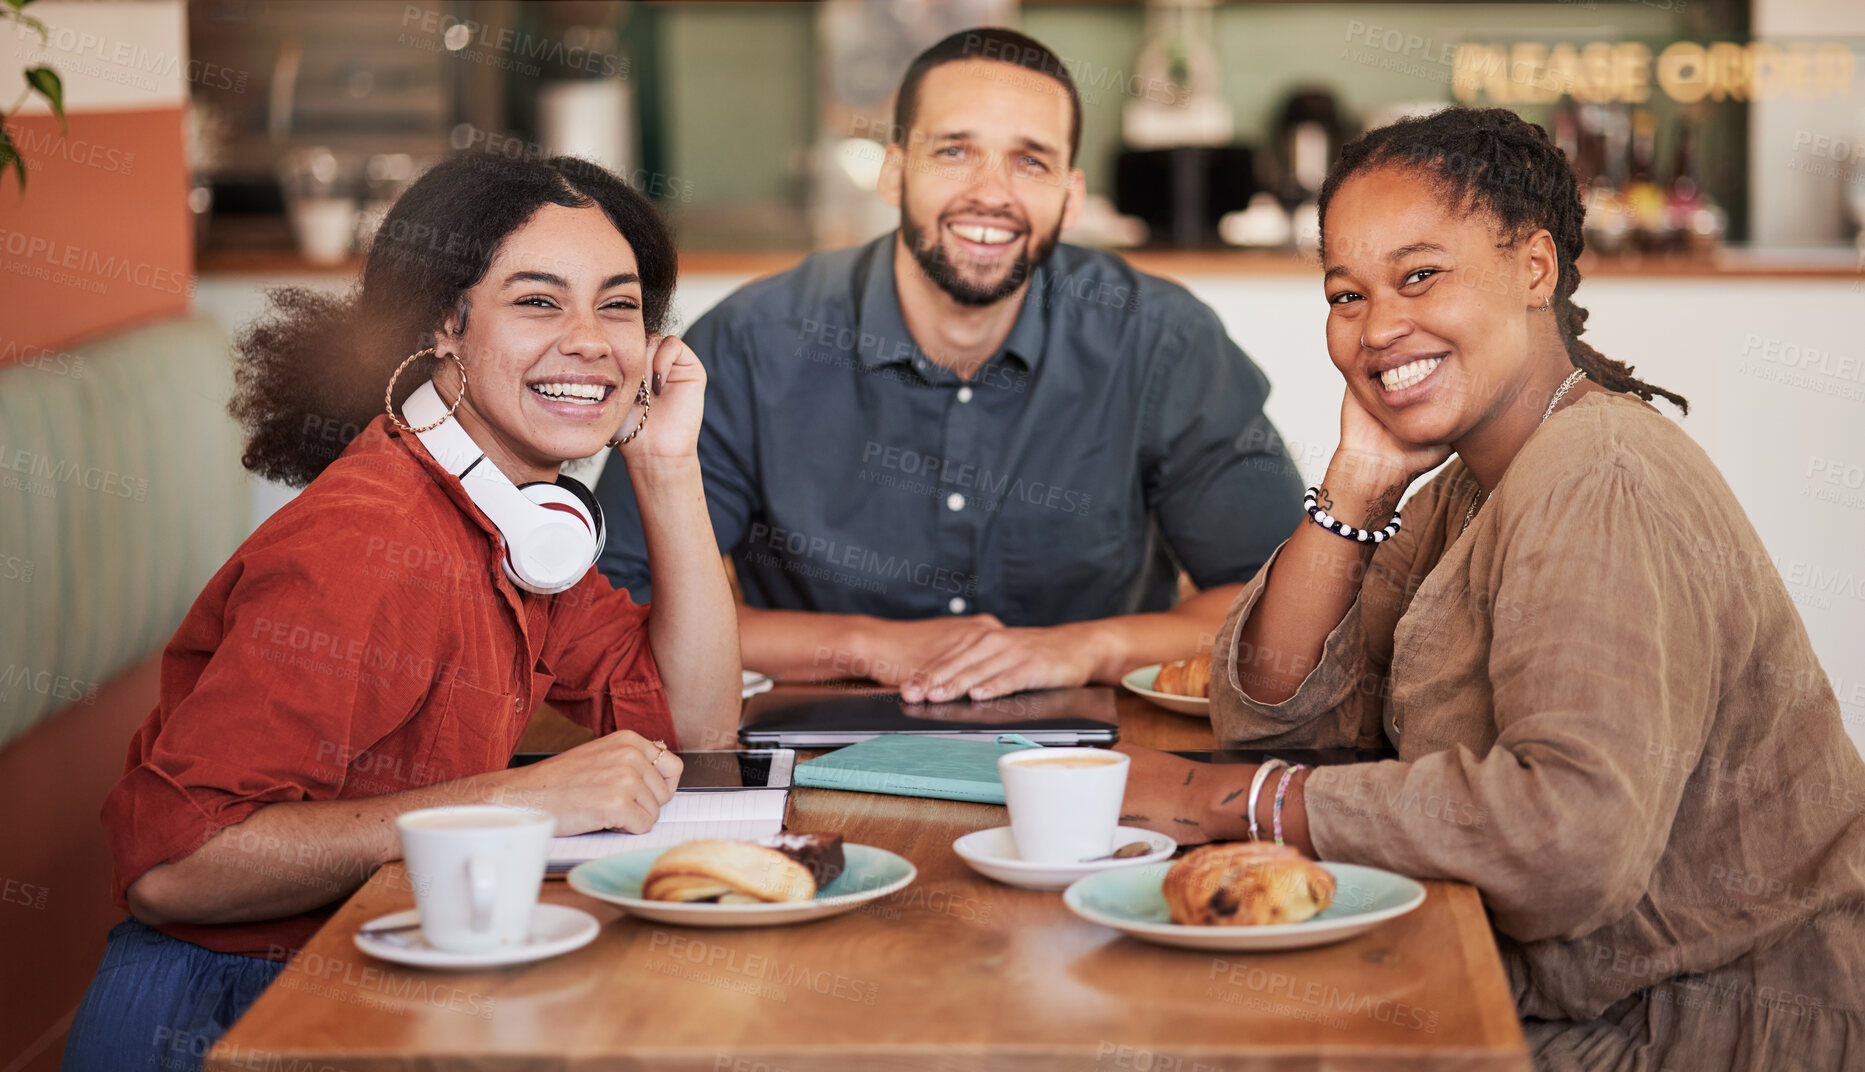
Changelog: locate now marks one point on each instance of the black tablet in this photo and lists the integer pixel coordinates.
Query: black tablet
(820, 718)
(754, 768)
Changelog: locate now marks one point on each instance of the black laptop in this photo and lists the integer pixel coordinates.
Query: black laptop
(821, 718)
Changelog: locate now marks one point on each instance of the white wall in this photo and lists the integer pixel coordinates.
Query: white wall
(110, 55)
(237, 301)
(1807, 157)
(1774, 370)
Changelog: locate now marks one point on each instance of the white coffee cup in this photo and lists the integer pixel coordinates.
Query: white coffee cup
(325, 228)
(476, 870)
(1064, 802)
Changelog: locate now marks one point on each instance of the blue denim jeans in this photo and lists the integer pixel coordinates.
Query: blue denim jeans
(158, 1003)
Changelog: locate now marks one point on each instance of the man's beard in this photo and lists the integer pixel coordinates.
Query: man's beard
(940, 269)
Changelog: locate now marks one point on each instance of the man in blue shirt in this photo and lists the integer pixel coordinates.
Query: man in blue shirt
(964, 458)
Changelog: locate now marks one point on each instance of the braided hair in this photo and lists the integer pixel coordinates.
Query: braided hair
(1492, 160)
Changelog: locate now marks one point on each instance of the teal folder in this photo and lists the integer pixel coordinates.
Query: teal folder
(909, 765)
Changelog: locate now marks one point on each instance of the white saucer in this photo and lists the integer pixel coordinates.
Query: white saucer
(993, 854)
(754, 683)
(554, 929)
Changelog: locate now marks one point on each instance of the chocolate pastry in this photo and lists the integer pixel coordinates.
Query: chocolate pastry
(820, 854)
(784, 868)
(1246, 884)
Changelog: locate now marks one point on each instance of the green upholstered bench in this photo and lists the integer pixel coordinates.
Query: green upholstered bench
(120, 494)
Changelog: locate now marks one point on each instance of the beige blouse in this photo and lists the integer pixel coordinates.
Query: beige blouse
(1610, 720)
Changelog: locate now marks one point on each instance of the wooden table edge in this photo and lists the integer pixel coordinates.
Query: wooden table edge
(1487, 976)
(831, 1057)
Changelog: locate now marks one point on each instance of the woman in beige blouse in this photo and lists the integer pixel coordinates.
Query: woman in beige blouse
(1607, 713)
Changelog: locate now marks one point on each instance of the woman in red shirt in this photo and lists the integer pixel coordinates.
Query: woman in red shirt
(370, 649)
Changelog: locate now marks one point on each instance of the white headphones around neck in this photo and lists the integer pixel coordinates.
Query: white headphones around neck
(552, 532)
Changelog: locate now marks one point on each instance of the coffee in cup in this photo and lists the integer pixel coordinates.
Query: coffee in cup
(1071, 761)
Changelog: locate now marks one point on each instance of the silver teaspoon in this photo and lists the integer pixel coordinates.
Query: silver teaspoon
(395, 929)
(1125, 852)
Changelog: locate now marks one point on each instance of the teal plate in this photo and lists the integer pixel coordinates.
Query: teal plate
(1140, 683)
(871, 873)
(1131, 900)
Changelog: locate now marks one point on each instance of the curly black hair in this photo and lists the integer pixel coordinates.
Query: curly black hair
(1492, 160)
(309, 375)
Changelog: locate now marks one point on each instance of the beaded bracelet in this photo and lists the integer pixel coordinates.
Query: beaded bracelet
(1282, 789)
(1256, 789)
(1327, 521)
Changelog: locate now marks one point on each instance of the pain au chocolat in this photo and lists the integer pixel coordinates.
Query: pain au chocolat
(787, 867)
(1187, 677)
(1246, 884)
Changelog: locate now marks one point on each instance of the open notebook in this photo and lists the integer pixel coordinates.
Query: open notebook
(740, 814)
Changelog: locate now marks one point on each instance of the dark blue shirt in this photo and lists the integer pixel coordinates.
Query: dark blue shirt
(1118, 435)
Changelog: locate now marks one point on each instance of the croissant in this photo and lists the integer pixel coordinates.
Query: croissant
(744, 872)
(1246, 884)
(1186, 677)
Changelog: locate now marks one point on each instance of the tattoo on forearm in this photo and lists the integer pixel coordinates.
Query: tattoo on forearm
(1189, 775)
(1234, 794)
(1186, 822)
(1135, 817)
(1383, 506)
(1386, 504)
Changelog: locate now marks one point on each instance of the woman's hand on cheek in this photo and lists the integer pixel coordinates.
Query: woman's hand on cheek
(677, 387)
(1375, 455)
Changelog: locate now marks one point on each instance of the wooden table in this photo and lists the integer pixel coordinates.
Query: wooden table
(954, 972)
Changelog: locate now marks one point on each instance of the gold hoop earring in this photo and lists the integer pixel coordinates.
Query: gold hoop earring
(388, 396)
(646, 402)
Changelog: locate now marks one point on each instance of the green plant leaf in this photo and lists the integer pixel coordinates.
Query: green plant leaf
(10, 155)
(44, 81)
(31, 24)
(17, 4)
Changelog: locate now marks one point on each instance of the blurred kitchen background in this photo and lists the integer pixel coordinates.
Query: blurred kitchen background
(758, 125)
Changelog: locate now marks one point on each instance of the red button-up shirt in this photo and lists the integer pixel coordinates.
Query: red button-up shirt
(363, 641)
